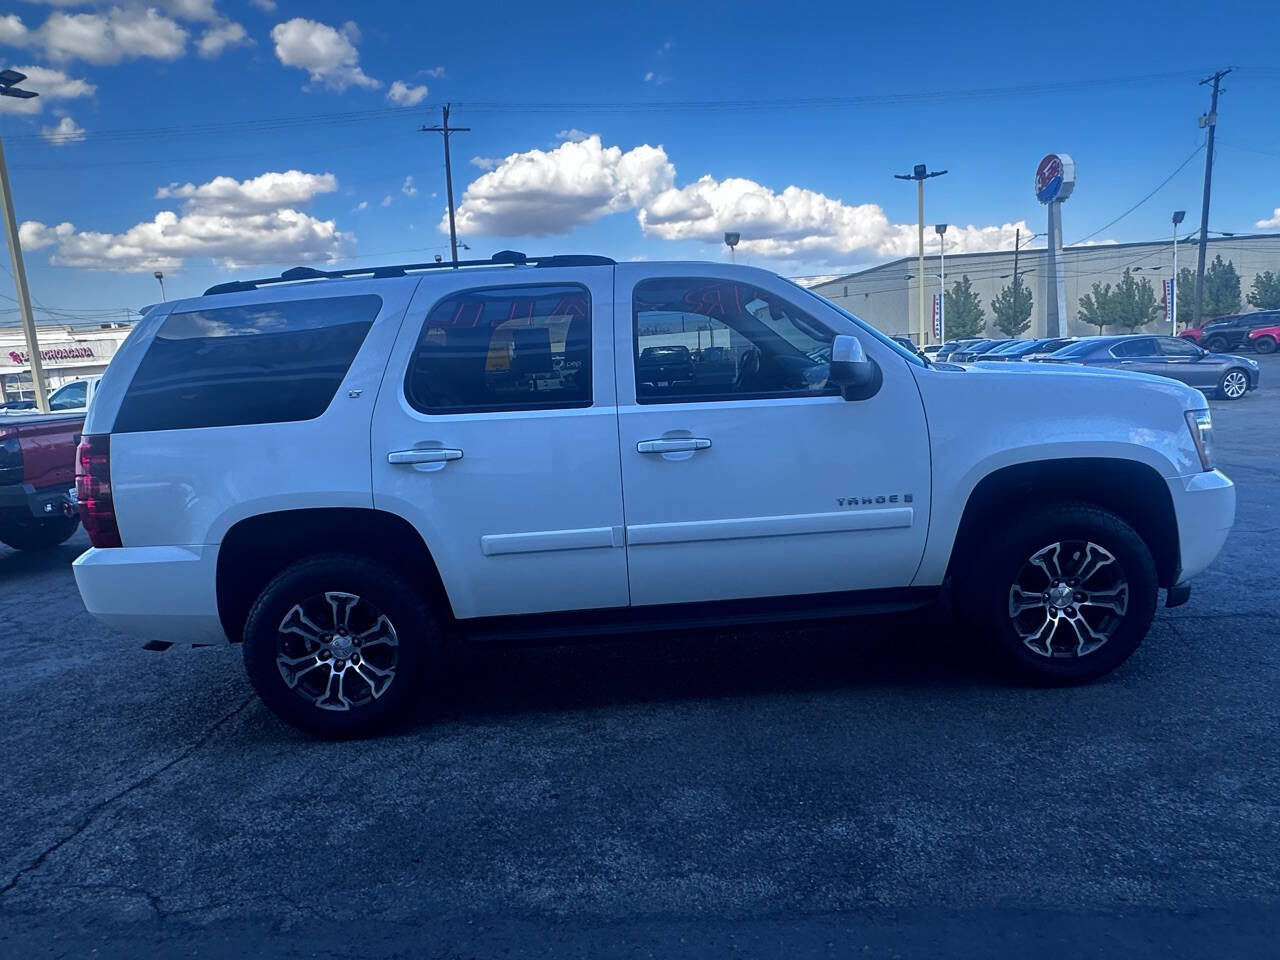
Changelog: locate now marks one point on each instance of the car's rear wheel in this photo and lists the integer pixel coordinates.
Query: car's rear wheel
(1215, 344)
(1066, 594)
(42, 533)
(1234, 384)
(1265, 344)
(336, 645)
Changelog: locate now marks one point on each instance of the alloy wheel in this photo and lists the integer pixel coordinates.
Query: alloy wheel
(337, 651)
(1234, 384)
(1068, 599)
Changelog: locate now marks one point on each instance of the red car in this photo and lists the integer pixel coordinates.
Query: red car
(1265, 339)
(37, 472)
(1193, 333)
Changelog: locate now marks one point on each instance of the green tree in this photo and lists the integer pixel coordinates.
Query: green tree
(1133, 304)
(1265, 294)
(1011, 309)
(963, 311)
(1221, 292)
(1095, 307)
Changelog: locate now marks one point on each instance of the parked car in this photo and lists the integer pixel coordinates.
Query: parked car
(1224, 375)
(1232, 333)
(951, 346)
(907, 344)
(1020, 349)
(931, 350)
(343, 471)
(977, 351)
(1194, 334)
(1265, 339)
(1051, 347)
(73, 397)
(37, 472)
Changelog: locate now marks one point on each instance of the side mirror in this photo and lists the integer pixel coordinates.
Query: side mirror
(858, 377)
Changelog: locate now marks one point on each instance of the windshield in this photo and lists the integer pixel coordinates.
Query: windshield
(1077, 349)
(909, 355)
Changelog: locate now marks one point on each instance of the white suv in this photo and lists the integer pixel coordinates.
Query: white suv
(339, 468)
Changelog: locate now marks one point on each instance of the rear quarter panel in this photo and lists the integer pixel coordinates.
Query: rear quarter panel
(983, 419)
(189, 486)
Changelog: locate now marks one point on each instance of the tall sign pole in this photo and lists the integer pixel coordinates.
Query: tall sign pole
(1209, 120)
(941, 228)
(1178, 216)
(1055, 179)
(920, 173)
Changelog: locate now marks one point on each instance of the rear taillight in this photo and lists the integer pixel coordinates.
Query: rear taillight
(10, 456)
(93, 490)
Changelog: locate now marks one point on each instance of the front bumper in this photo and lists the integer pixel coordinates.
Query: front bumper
(162, 593)
(1205, 505)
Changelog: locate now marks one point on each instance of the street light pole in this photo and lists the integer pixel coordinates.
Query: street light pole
(160, 277)
(1178, 215)
(920, 173)
(9, 79)
(941, 228)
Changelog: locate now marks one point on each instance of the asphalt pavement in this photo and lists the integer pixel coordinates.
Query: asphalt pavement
(869, 787)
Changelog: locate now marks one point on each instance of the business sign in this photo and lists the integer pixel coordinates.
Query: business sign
(1055, 178)
(1168, 300)
(937, 316)
(68, 354)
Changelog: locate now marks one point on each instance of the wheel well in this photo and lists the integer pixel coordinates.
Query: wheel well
(1132, 491)
(257, 548)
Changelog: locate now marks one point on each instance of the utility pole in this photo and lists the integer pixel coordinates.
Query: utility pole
(920, 173)
(446, 130)
(1209, 120)
(9, 80)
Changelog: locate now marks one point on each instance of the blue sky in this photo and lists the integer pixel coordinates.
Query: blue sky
(210, 138)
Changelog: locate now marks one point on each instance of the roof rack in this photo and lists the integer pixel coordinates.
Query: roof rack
(503, 258)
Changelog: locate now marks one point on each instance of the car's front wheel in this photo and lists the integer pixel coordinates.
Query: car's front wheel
(336, 645)
(1067, 593)
(1234, 384)
(1265, 344)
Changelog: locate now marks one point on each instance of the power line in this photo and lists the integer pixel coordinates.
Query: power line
(1163, 183)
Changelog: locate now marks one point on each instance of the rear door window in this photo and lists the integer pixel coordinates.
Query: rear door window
(1141, 347)
(254, 363)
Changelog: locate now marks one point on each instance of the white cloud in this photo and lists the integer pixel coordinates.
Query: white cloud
(550, 192)
(51, 85)
(119, 33)
(1271, 221)
(362, 205)
(407, 188)
(435, 72)
(406, 96)
(573, 133)
(201, 11)
(222, 36)
(386, 201)
(265, 192)
(329, 56)
(66, 131)
(266, 6)
(231, 222)
(485, 163)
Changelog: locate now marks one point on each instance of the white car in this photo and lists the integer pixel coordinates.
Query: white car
(72, 397)
(339, 468)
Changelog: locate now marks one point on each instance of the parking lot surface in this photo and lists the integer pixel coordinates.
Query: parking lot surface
(811, 792)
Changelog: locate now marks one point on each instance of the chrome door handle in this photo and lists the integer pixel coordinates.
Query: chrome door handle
(673, 445)
(424, 455)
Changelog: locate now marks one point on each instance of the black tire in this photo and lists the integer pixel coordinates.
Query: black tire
(1265, 344)
(412, 644)
(1215, 344)
(1003, 568)
(1234, 384)
(42, 533)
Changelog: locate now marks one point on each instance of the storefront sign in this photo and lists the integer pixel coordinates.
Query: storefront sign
(71, 353)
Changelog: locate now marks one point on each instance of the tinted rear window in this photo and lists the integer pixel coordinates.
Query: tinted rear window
(256, 363)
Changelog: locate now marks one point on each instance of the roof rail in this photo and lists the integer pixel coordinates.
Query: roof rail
(504, 258)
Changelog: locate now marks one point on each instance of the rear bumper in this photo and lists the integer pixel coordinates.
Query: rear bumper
(1205, 504)
(24, 499)
(162, 593)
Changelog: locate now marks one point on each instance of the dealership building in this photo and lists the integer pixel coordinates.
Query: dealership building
(887, 296)
(66, 352)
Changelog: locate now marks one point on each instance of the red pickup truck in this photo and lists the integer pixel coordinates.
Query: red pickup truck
(37, 477)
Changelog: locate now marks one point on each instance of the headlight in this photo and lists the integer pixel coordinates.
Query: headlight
(1201, 425)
